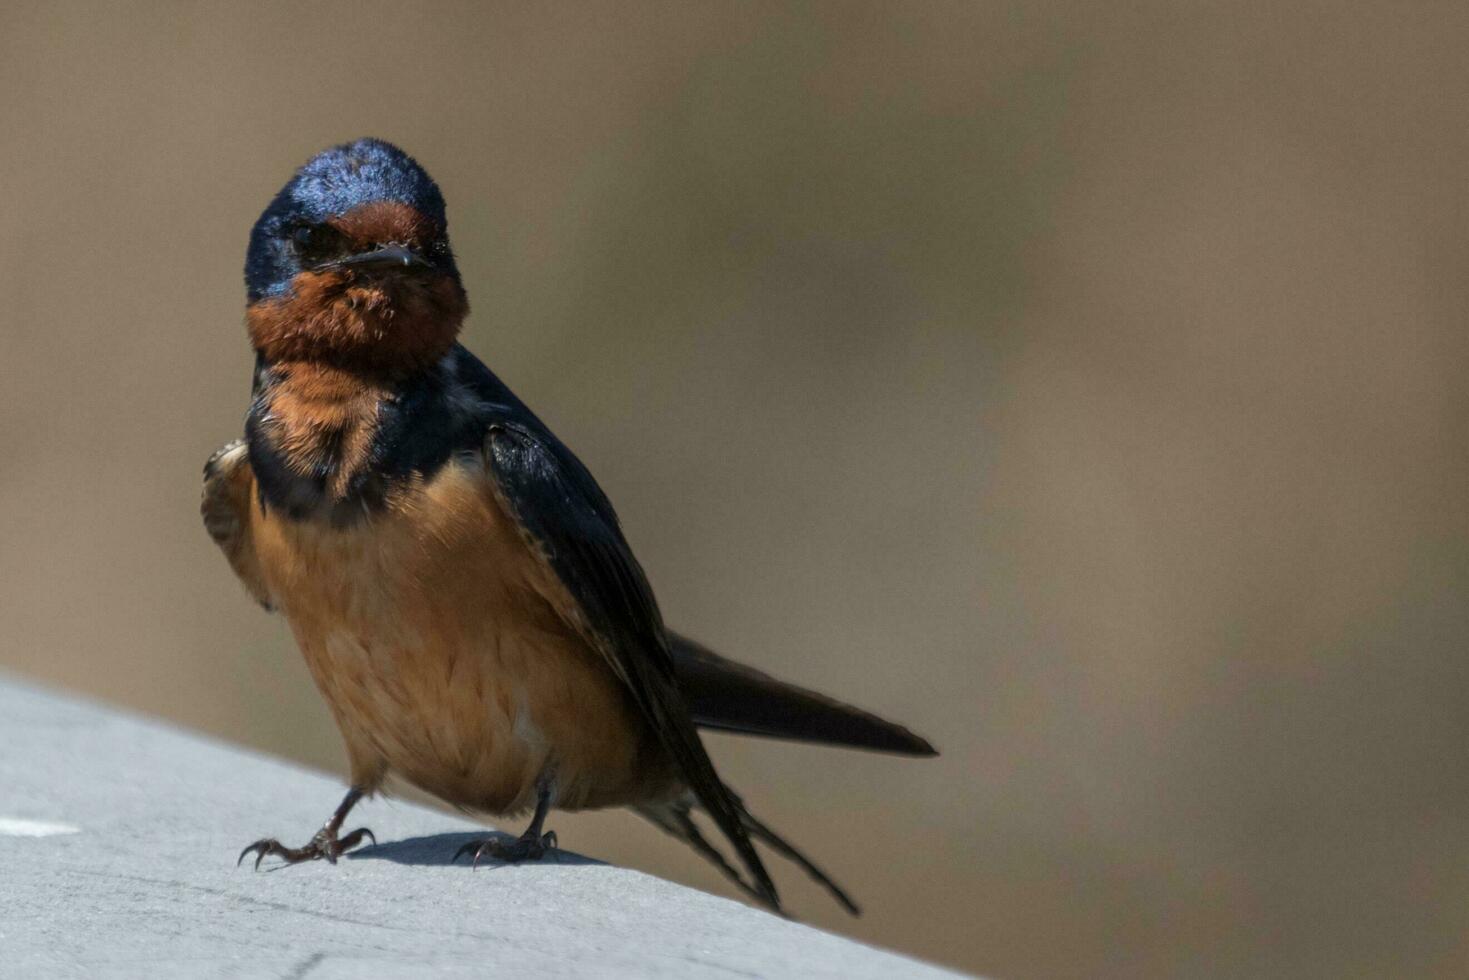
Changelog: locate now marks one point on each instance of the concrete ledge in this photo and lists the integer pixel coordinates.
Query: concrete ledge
(118, 837)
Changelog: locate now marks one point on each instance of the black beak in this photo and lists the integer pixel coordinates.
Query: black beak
(386, 256)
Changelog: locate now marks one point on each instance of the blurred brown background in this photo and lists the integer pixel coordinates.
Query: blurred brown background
(1081, 384)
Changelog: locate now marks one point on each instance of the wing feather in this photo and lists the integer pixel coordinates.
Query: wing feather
(565, 513)
(229, 487)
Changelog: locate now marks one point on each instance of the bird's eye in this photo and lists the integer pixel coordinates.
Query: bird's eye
(303, 235)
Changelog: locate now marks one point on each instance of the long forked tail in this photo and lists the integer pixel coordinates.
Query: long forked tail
(676, 818)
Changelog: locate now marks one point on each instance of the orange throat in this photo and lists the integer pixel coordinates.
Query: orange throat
(386, 327)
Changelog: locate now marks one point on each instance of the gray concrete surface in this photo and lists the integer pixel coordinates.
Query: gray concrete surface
(118, 838)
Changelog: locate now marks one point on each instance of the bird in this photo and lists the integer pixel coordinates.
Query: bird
(458, 583)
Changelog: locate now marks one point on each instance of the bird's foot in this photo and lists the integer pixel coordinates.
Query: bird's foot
(324, 845)
(527, 847)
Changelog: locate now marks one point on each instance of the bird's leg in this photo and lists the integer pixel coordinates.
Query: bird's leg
(324, 845)
(528, 846)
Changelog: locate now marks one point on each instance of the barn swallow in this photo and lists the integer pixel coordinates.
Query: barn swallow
(456, 580)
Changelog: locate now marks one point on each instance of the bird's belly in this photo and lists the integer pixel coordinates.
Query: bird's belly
(433, 633)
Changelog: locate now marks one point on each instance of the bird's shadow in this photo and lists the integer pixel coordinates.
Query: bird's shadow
(439, 850)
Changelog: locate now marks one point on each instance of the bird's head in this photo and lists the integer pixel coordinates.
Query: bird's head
(350, 264)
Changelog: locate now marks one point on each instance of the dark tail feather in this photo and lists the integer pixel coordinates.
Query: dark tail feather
(732, 697)
(780, 846)
(723, 807)
(676, 818)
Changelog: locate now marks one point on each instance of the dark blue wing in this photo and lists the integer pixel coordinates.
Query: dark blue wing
(560, 505)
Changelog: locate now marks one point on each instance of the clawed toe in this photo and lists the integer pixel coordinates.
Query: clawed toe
(262, 847)
(324, 845)
(527, 848)
(352, 840)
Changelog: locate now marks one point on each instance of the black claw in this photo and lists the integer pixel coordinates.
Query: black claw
(355, 838)
(262, 847)
(323, 846)
(524, 848)
(334, 847)
(263, 850)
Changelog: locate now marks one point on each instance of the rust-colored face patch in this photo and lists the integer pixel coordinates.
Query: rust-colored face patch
(387, 221)
(391, 322)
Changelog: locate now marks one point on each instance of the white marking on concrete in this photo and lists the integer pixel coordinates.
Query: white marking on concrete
(15, 827)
